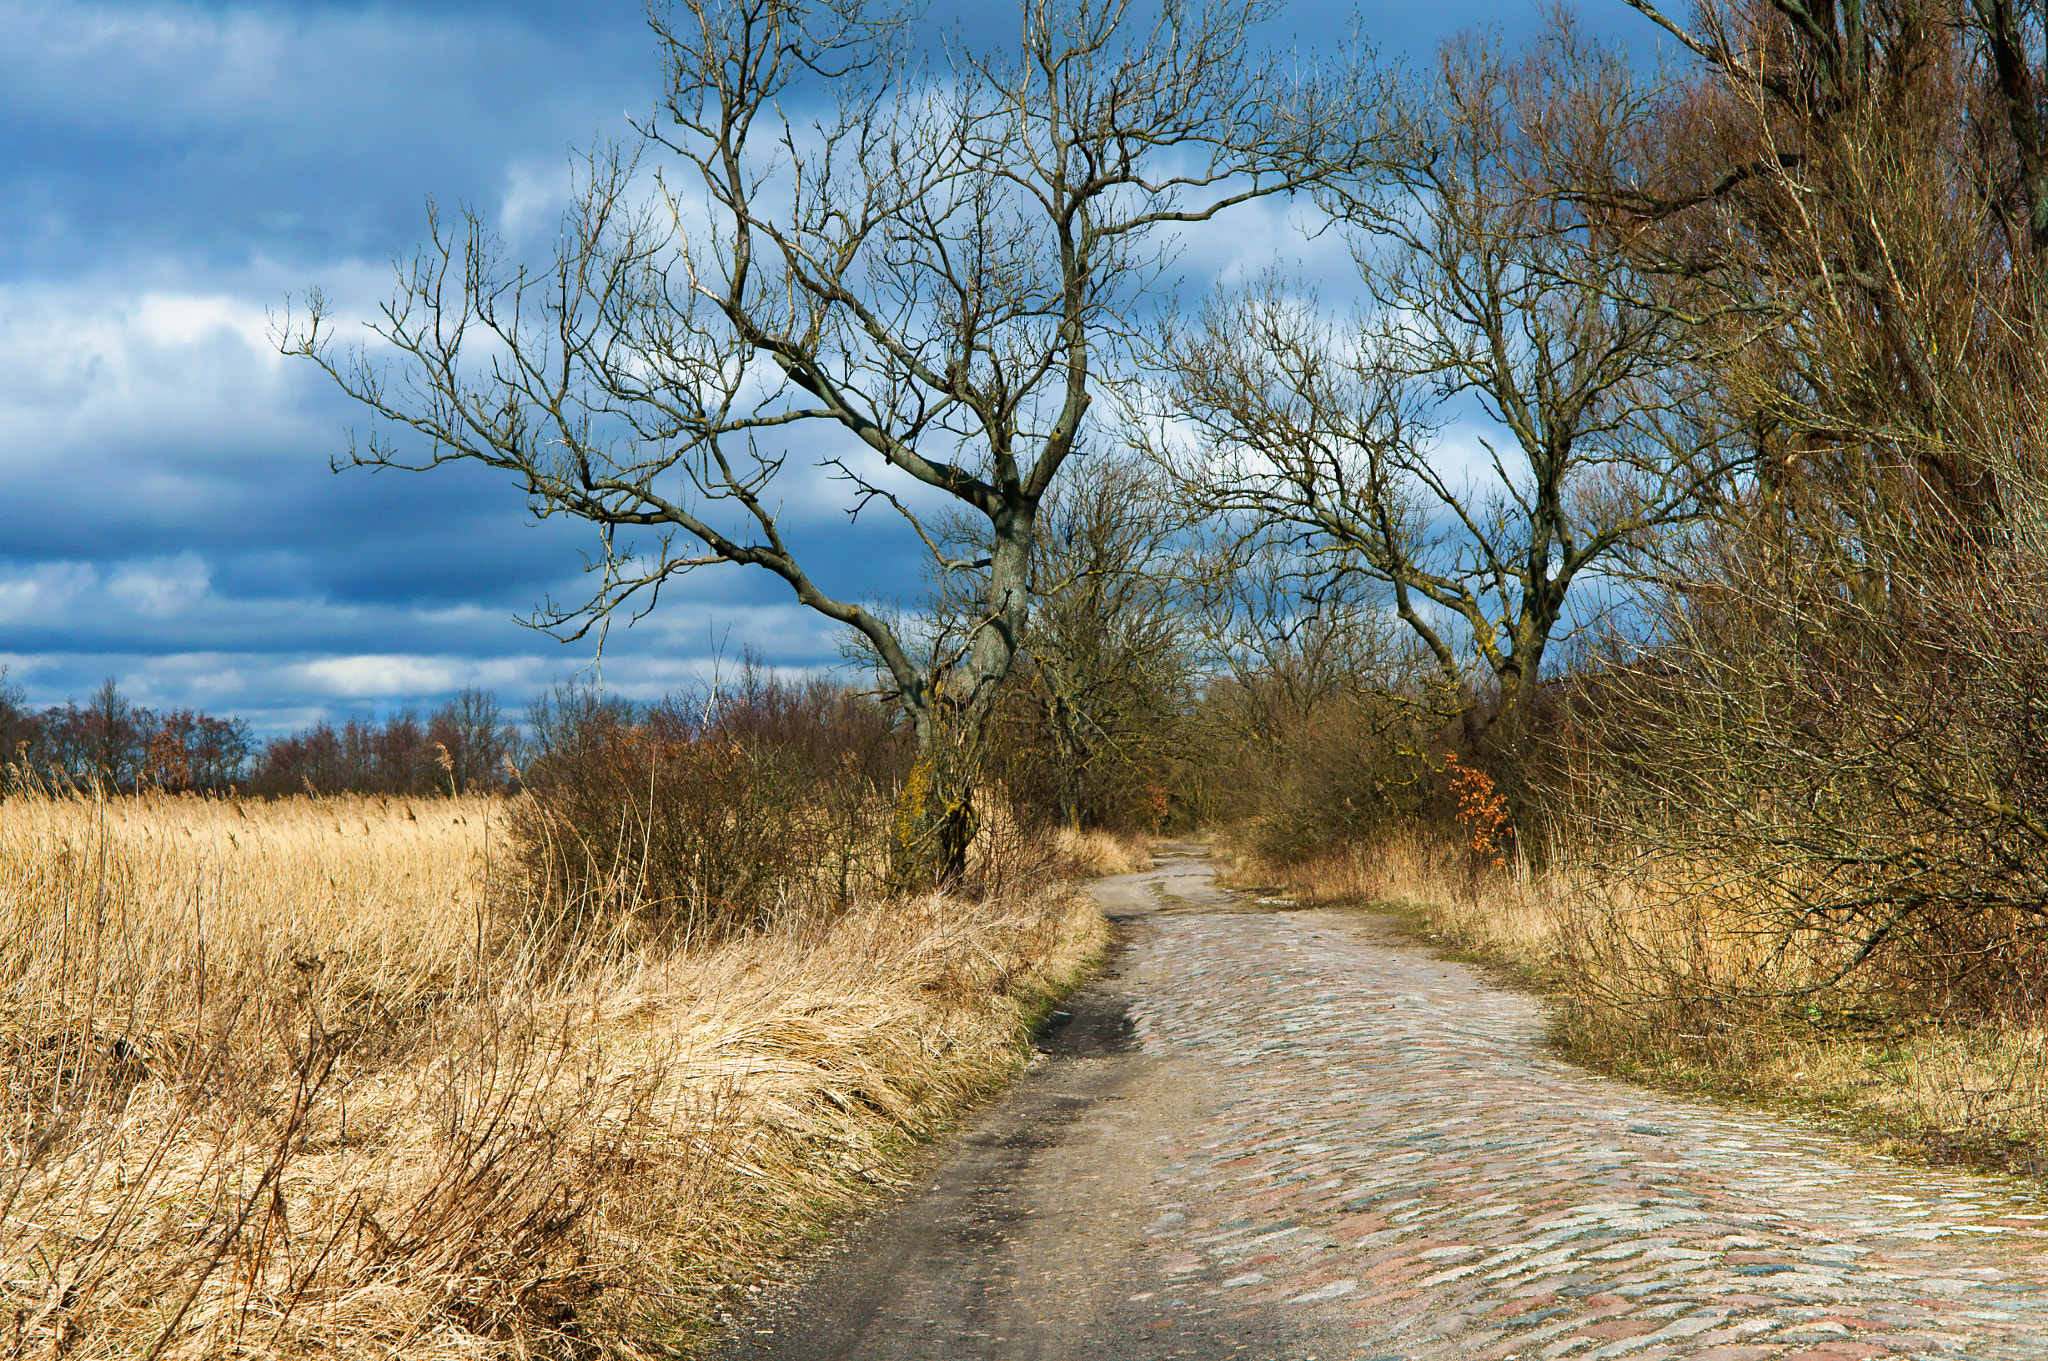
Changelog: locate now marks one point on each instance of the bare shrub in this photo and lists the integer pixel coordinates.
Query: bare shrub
(706, 813)
(1301, 779)
(1856, 775)
(1317, 710)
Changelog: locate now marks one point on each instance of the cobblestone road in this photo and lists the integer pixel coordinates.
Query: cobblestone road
(1392, 1159)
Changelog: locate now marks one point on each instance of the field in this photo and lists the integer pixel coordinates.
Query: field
(299, 1078)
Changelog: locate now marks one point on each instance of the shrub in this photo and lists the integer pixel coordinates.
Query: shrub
(1301, 778)
(1854, 764)
(703, 814)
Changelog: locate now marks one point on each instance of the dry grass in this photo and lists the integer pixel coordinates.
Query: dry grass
(281, 1081)
(1506, 917)
(1682, 977)
(1091, 855)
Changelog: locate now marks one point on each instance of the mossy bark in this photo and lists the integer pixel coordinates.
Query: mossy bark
(935, 820)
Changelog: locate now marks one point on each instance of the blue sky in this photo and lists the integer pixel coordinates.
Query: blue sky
(173, 173)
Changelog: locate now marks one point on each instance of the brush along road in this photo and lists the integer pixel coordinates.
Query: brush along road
(1289, 1135)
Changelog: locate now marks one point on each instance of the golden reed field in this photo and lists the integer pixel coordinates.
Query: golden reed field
(296, 1078)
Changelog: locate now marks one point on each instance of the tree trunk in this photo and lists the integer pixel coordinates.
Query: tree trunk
(936, 819)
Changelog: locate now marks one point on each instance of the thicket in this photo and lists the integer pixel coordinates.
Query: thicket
(1316, 714)
(1824, 729)
(110, 742)
(117, 743)
(708, 811)
(464, 745)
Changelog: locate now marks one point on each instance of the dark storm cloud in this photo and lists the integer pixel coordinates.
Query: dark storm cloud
(177, 172)
(211, 133)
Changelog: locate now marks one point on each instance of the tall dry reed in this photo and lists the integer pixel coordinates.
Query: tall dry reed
(1094, 853)
(281, 1080)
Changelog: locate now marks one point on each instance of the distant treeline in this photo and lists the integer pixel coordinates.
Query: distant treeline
(464, 745)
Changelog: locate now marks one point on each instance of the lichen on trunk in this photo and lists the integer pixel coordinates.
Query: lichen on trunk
(935, 823)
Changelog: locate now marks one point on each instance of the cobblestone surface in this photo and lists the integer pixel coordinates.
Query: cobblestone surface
(1392, 1157)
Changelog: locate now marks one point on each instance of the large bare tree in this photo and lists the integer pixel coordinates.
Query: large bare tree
(1491, 290)
(931, 283)
(1855, 194)
(1838, 714)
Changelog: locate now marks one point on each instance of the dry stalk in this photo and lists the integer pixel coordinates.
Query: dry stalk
(280, 1080)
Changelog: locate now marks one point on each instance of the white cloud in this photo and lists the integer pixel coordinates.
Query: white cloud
(44, 592)
(63, 594)
(374, 677)
(170, 637)
(106, 66)
(161, 589)
(1241, 242)
(95, 365)
(170, 319)
(535, 195)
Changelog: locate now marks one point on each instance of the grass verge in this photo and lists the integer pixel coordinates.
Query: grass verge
(1653, 980)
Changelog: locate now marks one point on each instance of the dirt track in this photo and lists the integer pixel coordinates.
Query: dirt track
(1289, 1135)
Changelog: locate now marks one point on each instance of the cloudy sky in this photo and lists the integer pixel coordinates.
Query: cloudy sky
(173, 175)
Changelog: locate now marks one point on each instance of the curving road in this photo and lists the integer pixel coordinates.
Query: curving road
(1289, 1135)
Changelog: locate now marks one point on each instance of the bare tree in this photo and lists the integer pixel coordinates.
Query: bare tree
(469, 730)
(1490, 288)
(1286, 636)
(111, 729)
(1856, 196)
(939, 275)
